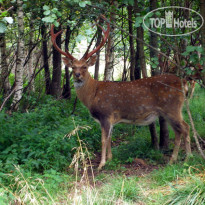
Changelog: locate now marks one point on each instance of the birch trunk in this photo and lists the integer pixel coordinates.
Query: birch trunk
(31, 58)
(20, 57)
(109, 54)
(97, 64)
(4, 81)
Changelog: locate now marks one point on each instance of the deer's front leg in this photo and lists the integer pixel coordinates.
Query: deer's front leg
(105, 140)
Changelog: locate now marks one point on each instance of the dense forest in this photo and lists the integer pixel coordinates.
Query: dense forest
(50, 146)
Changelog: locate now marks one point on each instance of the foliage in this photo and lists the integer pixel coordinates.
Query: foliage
(4, 20)
(36, 139)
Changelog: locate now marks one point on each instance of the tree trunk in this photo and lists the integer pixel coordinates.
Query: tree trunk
(131, 41)
(202, 10)
(140, 35)
(154, 41)
(123, 40)
(137, 71)
(4, 81)
(140, 45)
(56, 77)
(109, 56)
(97, 64)
(31, 57)
(66, 88)
(20, 57)
(45, 59)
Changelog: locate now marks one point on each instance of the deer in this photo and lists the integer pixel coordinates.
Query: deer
(138, 102)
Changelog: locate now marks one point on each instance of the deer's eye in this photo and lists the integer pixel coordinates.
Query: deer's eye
(84, 67)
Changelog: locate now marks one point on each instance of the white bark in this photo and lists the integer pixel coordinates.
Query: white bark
(20, 57)
(31, 59)
(109, 55)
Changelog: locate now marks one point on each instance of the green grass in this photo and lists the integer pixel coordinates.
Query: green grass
(182, 183)
(191, 193)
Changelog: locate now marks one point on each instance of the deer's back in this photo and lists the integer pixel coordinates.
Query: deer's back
(140, 101)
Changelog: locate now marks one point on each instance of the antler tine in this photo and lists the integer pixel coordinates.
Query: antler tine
(106, 34)
(53, 39)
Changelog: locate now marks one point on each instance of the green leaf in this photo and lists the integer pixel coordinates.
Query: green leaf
(201, 62)
(3, 14)
(79, 38)
(47, 12)
(138, 21)
(48, 19)
(56, 23)
(54, 16)
(58, 13)
(190, 48)
(82, 4)
(154, 65)
(46, 7)
(128, 2)
(88, 32)
(2, 27)
(131, 2)
(88, 2)
(199, 49)
(54, 10)
(185, 53)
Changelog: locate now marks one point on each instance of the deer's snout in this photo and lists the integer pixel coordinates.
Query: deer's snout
(77, 75)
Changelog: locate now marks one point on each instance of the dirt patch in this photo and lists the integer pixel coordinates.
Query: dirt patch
(138, 167)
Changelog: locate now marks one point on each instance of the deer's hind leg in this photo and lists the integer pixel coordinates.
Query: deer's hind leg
(180, 128)
(187, 140)
(109, 151)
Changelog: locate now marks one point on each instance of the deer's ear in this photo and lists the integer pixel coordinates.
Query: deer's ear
(92, 60)
(68, 62)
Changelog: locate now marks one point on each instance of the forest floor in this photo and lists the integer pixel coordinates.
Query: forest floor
(141, 183)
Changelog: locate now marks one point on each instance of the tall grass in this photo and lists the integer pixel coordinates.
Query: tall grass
(191, 193)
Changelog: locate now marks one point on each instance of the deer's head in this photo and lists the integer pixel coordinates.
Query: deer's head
(80, 67)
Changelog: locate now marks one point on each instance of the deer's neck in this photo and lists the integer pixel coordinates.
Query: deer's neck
(86, 90)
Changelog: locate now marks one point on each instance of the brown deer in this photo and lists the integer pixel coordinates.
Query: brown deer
(138, 102)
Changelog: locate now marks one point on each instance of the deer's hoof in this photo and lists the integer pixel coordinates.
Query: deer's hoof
(101, 166)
